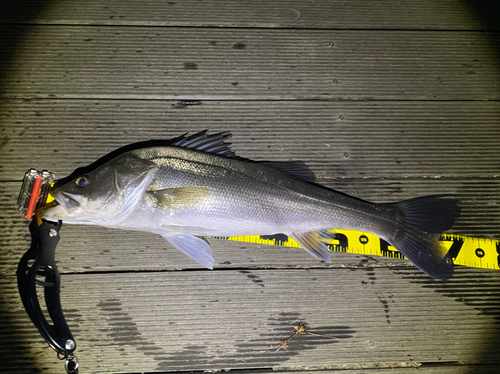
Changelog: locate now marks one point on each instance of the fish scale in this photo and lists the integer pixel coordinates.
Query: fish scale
(238, 196)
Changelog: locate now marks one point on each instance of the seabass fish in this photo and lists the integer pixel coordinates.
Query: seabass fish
(196, 186)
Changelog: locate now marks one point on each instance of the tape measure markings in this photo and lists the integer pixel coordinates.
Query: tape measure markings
(467, 251)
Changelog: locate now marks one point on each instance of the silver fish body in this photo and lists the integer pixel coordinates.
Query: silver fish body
(197, 187)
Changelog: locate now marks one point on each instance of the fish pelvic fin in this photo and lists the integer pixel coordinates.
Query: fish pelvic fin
(193, 246)
(419, 223)
(313, 243)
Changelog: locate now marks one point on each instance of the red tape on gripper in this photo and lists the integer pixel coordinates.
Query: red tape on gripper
(35, 192)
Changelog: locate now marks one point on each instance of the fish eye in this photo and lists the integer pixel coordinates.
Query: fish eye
(82, 181)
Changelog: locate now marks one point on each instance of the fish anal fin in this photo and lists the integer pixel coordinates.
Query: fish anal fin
(178, 198)
(195, 247)
(313, 243)
(327, 236)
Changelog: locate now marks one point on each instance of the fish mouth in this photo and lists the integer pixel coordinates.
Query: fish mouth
(70, 202)
(65, 206)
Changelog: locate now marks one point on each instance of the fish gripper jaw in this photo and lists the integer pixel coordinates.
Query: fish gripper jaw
(37, 268)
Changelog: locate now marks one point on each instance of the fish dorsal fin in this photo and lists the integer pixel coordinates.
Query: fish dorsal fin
(314, 243)
(215, 143)
(296, 168)
(202, 141)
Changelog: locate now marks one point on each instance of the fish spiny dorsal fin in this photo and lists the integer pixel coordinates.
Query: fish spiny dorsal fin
(215, 144)
(202, 141)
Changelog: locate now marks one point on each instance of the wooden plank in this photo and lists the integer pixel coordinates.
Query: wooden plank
(220, 320)
(200, 64)
(392, 369)
(338, 140)
(445, 368)
(83, 249)
(357, 14)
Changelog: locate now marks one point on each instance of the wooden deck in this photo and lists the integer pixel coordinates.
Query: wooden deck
(385, 100)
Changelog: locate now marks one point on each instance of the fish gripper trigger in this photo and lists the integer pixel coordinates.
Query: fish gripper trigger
(37, 269)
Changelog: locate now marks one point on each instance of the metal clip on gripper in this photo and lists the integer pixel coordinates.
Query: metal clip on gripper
(37, 269)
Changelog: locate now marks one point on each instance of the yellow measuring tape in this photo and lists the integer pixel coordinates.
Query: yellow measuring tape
(464, 250)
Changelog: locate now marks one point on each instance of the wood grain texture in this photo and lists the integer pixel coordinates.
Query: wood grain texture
(448, 368)
(203, 320)
(336, 139)
(357, 14)
(199, 64)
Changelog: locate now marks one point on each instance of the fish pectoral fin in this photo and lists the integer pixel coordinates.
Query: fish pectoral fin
(193, 246)
(179, 197)
(313, 243)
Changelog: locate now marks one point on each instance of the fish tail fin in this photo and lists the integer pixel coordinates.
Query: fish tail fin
(418, 225)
